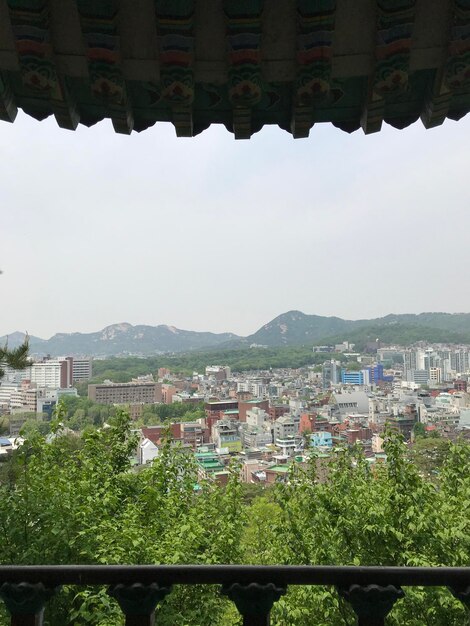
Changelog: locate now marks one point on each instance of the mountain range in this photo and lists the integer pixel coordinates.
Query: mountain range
(289, 329)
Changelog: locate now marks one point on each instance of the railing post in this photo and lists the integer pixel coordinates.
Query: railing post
(254, 601)
(371, 603)
(26, 602)
(138, 601)
(462, 594)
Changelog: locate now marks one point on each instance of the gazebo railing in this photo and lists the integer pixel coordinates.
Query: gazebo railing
(371, 591)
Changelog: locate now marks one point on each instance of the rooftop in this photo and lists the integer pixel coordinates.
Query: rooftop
(292, 63)
(278, 468)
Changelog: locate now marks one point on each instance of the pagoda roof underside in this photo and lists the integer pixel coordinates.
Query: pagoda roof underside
(240, 63)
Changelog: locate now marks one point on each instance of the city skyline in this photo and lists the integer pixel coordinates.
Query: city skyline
(99, 229)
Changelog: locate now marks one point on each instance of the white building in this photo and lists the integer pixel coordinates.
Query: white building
(258, 389)
(256, 417)
(53, 373)
(147, 451)
(15, 377)
(244, 387)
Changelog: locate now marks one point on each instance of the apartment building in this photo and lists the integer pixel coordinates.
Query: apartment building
(55, 373)
(125, 393)
(82, 369)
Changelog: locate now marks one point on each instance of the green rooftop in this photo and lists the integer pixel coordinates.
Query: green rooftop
(212, 466)
(279, 468)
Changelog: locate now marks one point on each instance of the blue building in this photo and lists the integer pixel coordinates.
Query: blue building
(376, 374)
(321, 440)
(352, 378)
(368, 376)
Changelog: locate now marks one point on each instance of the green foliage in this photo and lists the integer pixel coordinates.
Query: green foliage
(402, 333)
(84, 504)
(176, 412)
(124, 369)
(353, 366)
(16, 358)
(81, 413)
(77, 500)
(34, 425)
(390, 515)
(419, 430)
(429, 453)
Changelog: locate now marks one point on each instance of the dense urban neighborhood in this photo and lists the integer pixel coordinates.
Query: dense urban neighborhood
(358, 456)
(269, 420)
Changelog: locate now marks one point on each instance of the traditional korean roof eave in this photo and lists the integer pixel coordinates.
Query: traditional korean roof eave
(241, 63)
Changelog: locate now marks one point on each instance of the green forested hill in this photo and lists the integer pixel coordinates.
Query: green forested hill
(293, 328)
(123, 369)
(400, 333)
(297, 328)
(243, 359)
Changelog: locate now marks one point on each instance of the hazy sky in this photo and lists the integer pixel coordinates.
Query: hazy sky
(216, 234)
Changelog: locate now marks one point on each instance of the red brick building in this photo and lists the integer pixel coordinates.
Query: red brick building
(307, 422)
(215, 410)
(278, 410)
(460, 385)
(244, 406)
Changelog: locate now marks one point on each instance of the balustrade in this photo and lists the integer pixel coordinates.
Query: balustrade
(371, 591)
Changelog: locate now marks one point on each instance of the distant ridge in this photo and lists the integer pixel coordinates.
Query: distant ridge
(122, 339)
(297, 328)
(293, 328)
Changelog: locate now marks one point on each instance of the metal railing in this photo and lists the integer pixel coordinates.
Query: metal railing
(371, 591)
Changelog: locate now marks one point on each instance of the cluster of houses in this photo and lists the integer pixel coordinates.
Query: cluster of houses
(272, 420)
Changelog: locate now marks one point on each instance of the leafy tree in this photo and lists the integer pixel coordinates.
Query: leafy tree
(124, 369)
(430, 453)
(419, 430)
(34, 425)
(390, 515)
(77, 499)
(69, 503)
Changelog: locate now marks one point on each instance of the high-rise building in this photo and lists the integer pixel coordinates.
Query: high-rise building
(435, 375)
(82, 369)
(460, 361)
(410, 361)
(54, 373)
(331, 373)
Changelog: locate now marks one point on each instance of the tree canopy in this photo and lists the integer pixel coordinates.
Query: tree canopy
(16, 358)
(70, 499)
(124, 369)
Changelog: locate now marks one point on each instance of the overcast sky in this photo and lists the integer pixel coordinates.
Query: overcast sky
(216, 234)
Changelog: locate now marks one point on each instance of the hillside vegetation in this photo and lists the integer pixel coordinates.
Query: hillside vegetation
(125, 368)
(296, 328)
(85, 504)
(293, 328)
